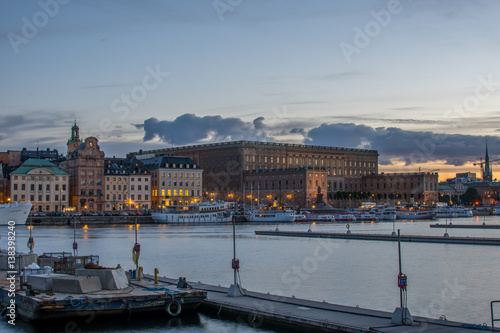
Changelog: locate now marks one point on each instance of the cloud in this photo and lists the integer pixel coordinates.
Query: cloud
(392, 143)
(190, 129)
(408, 146)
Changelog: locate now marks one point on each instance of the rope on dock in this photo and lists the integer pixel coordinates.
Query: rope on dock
(79, 301)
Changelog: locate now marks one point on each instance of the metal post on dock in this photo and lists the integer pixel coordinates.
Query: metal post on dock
(401, 315)
(234, 289)
(31, 241)
(75, 244)
(446, 230)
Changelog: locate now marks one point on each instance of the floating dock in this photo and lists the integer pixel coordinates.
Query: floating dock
(265, 310)
(388, 238)
(465, 226)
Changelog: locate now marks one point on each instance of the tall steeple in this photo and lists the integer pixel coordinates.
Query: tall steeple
(74, 140)
(487, 174)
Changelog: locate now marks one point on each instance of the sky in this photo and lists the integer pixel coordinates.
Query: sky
(419, 81)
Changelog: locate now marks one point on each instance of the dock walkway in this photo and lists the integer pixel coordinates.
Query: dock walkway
(265, 310)
(385, 237)
(465, 226)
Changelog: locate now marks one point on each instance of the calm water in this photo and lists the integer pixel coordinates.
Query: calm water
(457, 281)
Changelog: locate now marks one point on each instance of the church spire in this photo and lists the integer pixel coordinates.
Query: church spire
(74, 141)
(487, 174)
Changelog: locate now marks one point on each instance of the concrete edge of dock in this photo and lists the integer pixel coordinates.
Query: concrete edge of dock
(386, 237)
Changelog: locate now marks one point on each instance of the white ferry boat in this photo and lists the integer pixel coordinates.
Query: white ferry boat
(454, 212)
(199, 212)
(415, 213)
(384, 213)
(14, 211)
(272, 215)
(320, 217)
(345, 217)
(365, 216)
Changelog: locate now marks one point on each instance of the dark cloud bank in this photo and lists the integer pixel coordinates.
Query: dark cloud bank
(391, 142)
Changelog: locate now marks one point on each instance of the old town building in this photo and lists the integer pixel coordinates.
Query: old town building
(42, 183)
(224, 163)
(174, 180)
(127, 185)
(86, 168)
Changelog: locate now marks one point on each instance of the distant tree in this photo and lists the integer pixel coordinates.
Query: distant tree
(444, 198)
(470, 197)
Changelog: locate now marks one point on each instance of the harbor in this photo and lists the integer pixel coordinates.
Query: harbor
(302, 269)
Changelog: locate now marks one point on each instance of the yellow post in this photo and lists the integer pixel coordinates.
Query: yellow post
(139, 274)
(156, 275)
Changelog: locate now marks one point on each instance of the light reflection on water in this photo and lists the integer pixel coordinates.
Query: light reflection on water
(457, 281)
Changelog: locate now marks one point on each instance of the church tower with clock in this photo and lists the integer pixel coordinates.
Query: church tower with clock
(75, 140)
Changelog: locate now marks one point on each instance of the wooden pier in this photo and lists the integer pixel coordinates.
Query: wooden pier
(265, 310)
(388, 238)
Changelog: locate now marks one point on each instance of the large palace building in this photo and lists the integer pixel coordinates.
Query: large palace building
(225, 163)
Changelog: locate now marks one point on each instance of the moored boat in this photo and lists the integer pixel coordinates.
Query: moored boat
(384, 213)
(415, 212)
(320, 217)
(345, 217)
(272, 215)
(199, 212)
(14, 211)
(96, 293)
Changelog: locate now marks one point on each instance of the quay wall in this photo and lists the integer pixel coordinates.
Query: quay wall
(65, 220)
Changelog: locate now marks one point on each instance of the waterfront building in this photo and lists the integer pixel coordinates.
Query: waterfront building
(418, 186)
(14, 157)
(4, 184)
(224, 163)
(116, 181)
(488, 191)
(296, 187)
(139, 184)
(127, 185)
(50, 155)
(85, 165)
(452, 189)
(41, 182)
(174, 180)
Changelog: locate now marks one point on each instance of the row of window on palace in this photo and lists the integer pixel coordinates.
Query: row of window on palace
(282, 160)
(330, 171)
(40, 187)
(39, 197)
(265, 185)
(324, 162)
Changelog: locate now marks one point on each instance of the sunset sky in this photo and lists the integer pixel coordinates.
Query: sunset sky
(416, 80)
